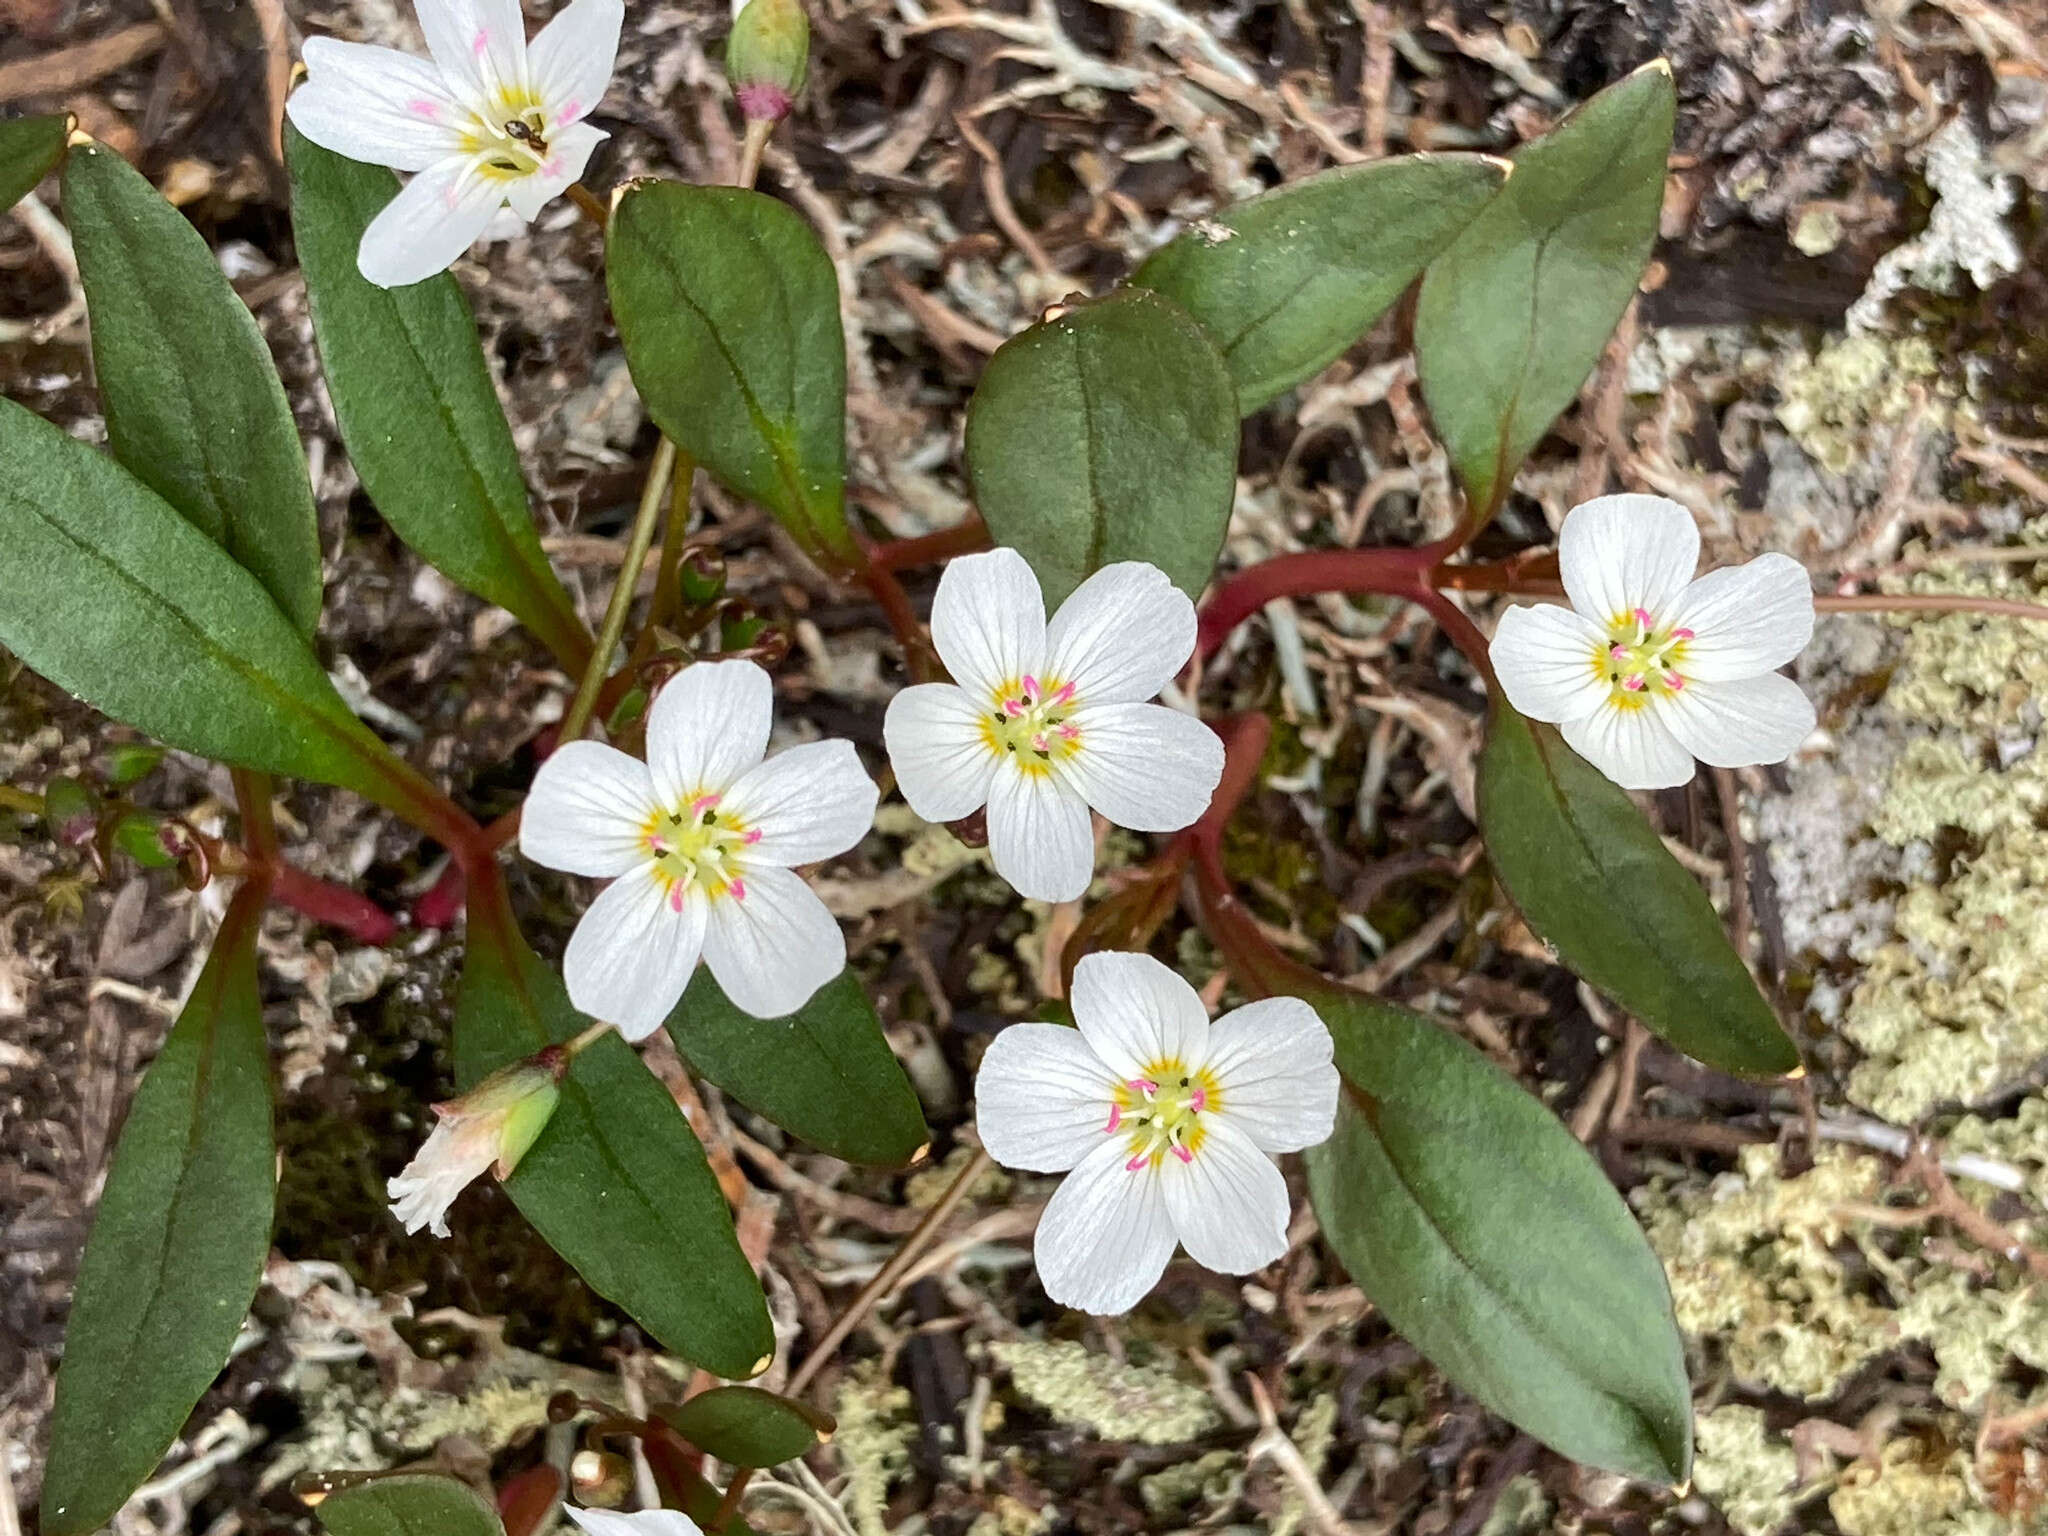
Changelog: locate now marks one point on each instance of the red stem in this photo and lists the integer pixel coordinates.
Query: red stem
(966, 537)
(444, 900)
(1393, 572)
(336, 905)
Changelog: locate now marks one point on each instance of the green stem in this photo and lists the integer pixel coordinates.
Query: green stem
(614, 627)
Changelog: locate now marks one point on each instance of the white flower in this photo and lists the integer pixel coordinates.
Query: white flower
(1166, 1121)
(646, 1522)
(491, 1126)
(488, 121)
(701, 840)
(1649, 669)
(1049, 720)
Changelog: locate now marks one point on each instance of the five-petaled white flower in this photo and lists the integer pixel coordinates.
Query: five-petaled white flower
(1649, 669)
(644, 1522)
(1165, 1121)
(1049, 720)
(700, 840)
(488, 121)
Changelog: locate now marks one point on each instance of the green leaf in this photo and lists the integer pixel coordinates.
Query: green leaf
(1108, 433)
(30, 148)
(825, 1073)
(410, 1504)
(177, 1247)
(1497, 1247)
(193, 403)
(728, 309)
(1287, 280)
(1514, 315)
(1594, 880)
(746, 1427)
(114, 597)
(413, 397)
(618, 1183)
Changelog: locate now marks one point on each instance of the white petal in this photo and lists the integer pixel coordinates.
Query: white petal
(1620, 553)
(1105, 1237)
(1732, 725)
(1136, 1013)
(988, 621)
(1122, 636)
(774, 947)
(1544, 658)
(479, 43)
(571, 59)
(642, 1522)
(943, 762)
(708, 726)
(435, 218)
(1745, 619)
(1630, 746)
(568, 152)
(808, 803)
(1144, 766)
(1228, 1202)
(446, 1164)
(1042, 1098)
(588, 811)
(1275, 1080)
(375, 104)
(1039, 835)
(631, 956)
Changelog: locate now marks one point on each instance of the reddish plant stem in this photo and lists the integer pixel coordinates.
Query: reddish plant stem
(1391, 572)
(966, 537)
(444, 899)
(336, 905)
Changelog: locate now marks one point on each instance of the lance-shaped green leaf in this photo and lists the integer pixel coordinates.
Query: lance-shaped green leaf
(1514, 315)
(1286, 281)
(410, 1504)
(728, 309)
(193, 404)
(825, 1073)
(1107, 433)
(1594, 880)
(746, 1427)
(618, 1183)
(30, 148)
(177, 1246)
(1496, 1246)
(113, 596)
(413, 397)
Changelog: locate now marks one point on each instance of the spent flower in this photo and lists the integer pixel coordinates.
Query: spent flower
(487, 121)
(491, 1126)
(1164, 1123)
(1044, 722)
(1649, 669)
(700, 843)
(644, 1522)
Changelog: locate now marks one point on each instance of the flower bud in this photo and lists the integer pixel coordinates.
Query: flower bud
(491, 1126)
(766, 56)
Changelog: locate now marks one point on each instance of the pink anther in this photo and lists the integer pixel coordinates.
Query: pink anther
(1030, 686)
(1068, 733)
(1643, 617)
(702, 804)
(738, 889)
(1040, 744)
(1184, 1154)
(1065, 694)
(1634, 682)
(1137, 1162)
(1013, 707)
(1199, 1100)
(1142, 1085)
(657, 843)
(1681, 634)
(1674, 682)
(751, 838)
(675, 897)
(1616, 652)
(1116, 1118)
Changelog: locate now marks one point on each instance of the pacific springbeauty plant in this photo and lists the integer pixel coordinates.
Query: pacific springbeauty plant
(173, 581)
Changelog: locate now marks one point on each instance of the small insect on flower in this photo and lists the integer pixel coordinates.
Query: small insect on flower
(1649, 669)
(488, 121)
(491, 1126)
(1166, 1122)
(1050, 720)
(701, 841)
(645, 1522)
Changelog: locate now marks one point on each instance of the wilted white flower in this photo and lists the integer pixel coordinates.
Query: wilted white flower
(1049, 720)
(1649, 669)
(700, 840)
(1166, 1122)
(645, 1522)
(491, 1126)
(488, 121)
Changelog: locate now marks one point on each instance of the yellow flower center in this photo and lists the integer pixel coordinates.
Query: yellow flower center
(1160, 1113)
(510, 140)
(1641, 659)
(699, 845)
(1027, 721)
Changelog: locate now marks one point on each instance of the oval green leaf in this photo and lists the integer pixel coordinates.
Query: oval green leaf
(1107, 433)
(178, 1244)
(1497, 1247)
(1286, 281)
(114, 597)
(728, 309)
(1593, 880)
(410, 1504)
(1514, 315)
(825, 1073)
(618, 1183)
(413, 398)
(193, 404)
(30, 148)
(746, 1427)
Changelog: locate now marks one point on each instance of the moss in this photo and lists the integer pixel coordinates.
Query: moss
(1829, 402)
(1190, 1487)
(921, 1191)
(876, 1431)
(1748, 1473)
(1109, 1399)
(1914, 1490)
(1523, 1509)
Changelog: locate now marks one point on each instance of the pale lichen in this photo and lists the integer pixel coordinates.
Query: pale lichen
(1749, 1474)
(1915, 1489)
(1106, 1397)
(1314, 1432)
(1188, 1488)
(1831, 401)
(876, 1431)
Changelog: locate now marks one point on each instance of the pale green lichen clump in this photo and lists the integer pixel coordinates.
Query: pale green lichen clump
(1112, 1400)
(1750, 1475)
(876, 1430)
(1830, 402)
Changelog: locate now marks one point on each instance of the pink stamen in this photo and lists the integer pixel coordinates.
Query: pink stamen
(1066, 692)
(1184, 1154)
(657, 844)
(751, 838)
(1616, 652)
(702, 804)
(1030, 686)
(1040, 744)
(1674, 682)
(738, 889)
(1643, 617)
(1142, 1085)
(1681, 634)
(1116, 1118)
(675, 897)
(1013, 707)
(1199, 1100)
(1069, 733)
(1634, 682)
(1137, 1162)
